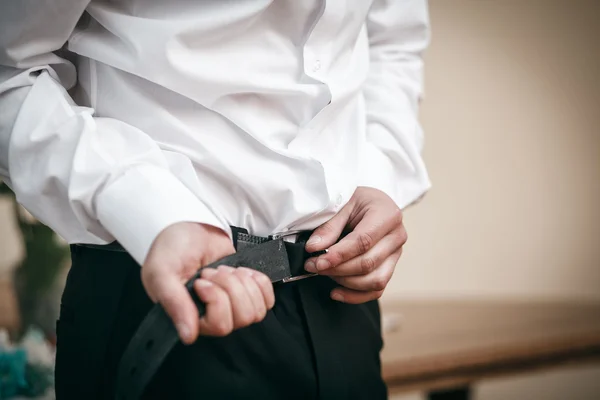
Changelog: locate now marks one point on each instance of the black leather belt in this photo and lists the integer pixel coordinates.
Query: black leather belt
(280, 260)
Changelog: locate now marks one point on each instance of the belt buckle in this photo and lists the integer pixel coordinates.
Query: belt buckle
(281, 235)
(297, 278)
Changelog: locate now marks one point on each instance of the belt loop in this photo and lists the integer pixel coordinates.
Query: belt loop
(235, 231)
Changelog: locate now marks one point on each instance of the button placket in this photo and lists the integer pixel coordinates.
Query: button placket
(316, 65)
(318, 43)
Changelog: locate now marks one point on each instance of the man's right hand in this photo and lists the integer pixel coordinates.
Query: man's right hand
(234, 297)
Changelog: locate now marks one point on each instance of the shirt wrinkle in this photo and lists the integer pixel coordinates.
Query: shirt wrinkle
(276, 112)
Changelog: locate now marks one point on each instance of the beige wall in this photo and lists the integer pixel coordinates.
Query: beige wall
(512, 121)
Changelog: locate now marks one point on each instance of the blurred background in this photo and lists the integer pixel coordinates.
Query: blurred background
(512, 125)
(511, 116)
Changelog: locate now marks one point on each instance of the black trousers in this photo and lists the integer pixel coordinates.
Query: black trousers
(307, 347)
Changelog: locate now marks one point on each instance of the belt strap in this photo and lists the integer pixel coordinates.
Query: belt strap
(156, 336)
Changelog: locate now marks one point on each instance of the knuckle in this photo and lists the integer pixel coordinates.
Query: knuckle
(397, 216)
(263, 279)
(380, 283)
(335, 257)
(367, 264)
(222, 328)
(260, 315)
(365, 242)
(402, 237)
(246, 319)
(228, 280)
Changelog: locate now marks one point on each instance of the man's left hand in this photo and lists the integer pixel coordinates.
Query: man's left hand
(363, 261)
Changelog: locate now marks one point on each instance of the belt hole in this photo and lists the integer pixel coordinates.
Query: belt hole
(149, 344)
(132, 371)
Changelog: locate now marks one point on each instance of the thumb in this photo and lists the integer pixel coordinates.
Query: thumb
(328, 234)
(177, 303)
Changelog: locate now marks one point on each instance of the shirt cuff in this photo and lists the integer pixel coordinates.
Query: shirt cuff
(144, 201)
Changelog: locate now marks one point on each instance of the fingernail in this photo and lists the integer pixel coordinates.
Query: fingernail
(314, 240)
(203, 283)
(337, 296)
(225, 268)
(323, 264)
(184, 332)
(310, 266)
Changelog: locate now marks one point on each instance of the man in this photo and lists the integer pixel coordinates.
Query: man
(184, 118)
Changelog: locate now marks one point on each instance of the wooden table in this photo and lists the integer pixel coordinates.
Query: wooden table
(443, 347)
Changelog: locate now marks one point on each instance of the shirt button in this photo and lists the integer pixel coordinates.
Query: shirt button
(338, 200)
(316, 65)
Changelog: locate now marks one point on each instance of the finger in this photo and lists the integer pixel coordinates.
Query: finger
(329, 233)
(375, 281)
(172, 295)
(218, 320)
(370, 230)
(350, 296)
(241, 304)
(266, 287)
(254, 292)
(366, 263)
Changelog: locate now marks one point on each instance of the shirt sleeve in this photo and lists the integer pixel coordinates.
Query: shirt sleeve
(391, 159)
(90, 179)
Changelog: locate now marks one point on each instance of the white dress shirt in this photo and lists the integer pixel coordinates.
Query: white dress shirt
(119, 118)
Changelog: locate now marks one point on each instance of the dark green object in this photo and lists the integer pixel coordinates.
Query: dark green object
(38, 378)
(12, 373)
(17, 378)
